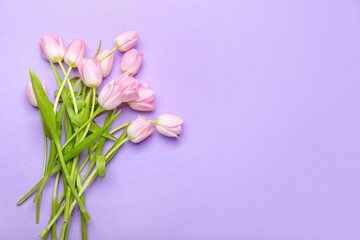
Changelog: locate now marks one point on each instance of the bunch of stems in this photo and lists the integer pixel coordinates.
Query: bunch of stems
(77, 136)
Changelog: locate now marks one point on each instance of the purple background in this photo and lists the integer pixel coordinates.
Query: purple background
(269, 91)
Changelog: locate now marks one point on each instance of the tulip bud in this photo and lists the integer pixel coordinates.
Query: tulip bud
(139, 130)
(30, 94)
(75, 52)
(90, 71)
(128, 86)
(131, 62)
(126, 40)
(146, 101)
(110, 96)
(52, 47)
(107, 63)
(169, 125)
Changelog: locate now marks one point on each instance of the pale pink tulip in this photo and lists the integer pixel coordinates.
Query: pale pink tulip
(126, 40)
(169, 125)
(146, 101)
(110, 96)
(90, 71)
(107, 63)
(52, 47)
(75, 52)
(30, 94)
(139, 130)
(128, 86)
(131, 62)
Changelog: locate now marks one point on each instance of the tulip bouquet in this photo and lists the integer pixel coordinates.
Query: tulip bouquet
(76, 105)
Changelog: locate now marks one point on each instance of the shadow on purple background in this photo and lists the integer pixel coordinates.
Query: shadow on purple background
(269, 91)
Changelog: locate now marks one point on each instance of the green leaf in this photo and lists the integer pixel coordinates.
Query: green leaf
(73, 81)
(80, 118)
(89, 140)
(98, 50)
(81, 103)
(100, 165)
(45, 106)
(59, 119)
(94, 127)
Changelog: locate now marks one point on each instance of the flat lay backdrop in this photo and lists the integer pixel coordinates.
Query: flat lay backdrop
(269, 92)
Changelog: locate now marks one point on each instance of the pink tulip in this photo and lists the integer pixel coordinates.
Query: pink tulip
(107, 63)
(52, 47)
(128, 86)
(169, 125)
(75, 52)
(131, 62)
(126, 40)
(139, 130)
(146, 101)
(110, 96)
(90, 71)
(30, 94)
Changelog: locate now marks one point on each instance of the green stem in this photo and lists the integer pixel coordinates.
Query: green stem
(118, 128)
(91, 113)
(62, 67)
(54, 208)
(61, 89)
(68, 180)
(86, 184)
(106, 55)
(42, 176)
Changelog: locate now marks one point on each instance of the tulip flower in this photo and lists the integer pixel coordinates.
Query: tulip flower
(90, 71)
(146, 101)
(128, 86)
(30, 94)
(169, 125)
(107, 63)
(75, 52)
(126, 40)
(52, 47)
(131, 62)
(110, 96)
(139, 130)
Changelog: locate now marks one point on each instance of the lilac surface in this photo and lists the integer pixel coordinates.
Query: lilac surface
(269, 91)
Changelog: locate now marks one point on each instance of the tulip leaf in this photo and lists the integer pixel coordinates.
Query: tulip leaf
(81, 146)
(45, 106)
(73, 80)
(98, 50)
(80, 118)
(94, 127)
(59, 119)
(100, 165)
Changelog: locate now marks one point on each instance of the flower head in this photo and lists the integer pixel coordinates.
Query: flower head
(169, 125)
(146, 101)
(139, 130)
(52, 47)
(30, 94)
(90, 71)
(110, 96)
(131, 62)
(107, 63)
(126, 40)
(128, 86)
(75, 52)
